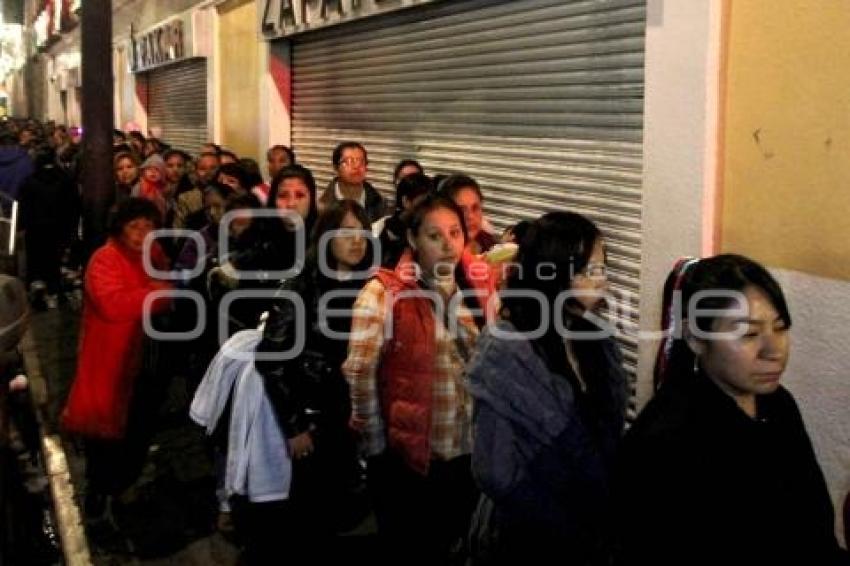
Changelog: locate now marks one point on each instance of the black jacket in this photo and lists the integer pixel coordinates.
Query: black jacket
(376, 207)
(700, 482)
(308, 392)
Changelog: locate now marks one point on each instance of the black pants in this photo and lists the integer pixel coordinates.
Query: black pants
(422, 519)
(268, 532)
(114, 465)
(321, 503)
(44, 257)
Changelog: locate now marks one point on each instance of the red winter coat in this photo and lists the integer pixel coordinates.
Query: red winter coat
(110, 347)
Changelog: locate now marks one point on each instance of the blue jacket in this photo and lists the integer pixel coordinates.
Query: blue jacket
(540, 456)
(15, 167)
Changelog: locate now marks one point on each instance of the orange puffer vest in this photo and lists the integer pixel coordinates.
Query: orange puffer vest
(407, 362)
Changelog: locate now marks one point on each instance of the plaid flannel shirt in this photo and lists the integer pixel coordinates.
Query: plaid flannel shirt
(451, 406)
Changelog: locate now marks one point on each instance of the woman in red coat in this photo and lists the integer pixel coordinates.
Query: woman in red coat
(110, 353)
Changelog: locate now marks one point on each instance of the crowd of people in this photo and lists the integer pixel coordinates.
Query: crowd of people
(39, 168)
(403, 360)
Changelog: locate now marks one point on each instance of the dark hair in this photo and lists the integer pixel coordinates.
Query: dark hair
(412, 186)
(209, 154)
(414, 222)
(224, 191)
(216, 148)
(429, 204)
(245, 200)
(401, 165)
(179, 152)
(288, 150)
(331, 219)
(518, 230)
(252, 172)
(125, 155)
(438, 180)
(118, 133)
(565, 241)
(130, 210)
(453, 184)
(725, 272)
(158, 145)
(306, 176)
(45, 157)
(137, 135)
(237, 171)
(339, 149)
(228, 153)
(8, 138)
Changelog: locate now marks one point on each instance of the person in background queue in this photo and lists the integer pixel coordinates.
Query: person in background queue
(467, 195)
(98, 407)
(351, 164)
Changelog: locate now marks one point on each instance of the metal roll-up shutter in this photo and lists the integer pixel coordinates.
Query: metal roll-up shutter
(177, 103)
(540, 100)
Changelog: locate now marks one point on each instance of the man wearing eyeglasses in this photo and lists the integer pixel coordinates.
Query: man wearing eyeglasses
(350, 163)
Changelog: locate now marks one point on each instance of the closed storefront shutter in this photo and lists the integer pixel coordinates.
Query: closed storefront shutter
(177, 104)
(540, 100)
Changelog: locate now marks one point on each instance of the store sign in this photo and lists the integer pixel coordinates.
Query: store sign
(53, 19)
(282, 18)
(163, 44)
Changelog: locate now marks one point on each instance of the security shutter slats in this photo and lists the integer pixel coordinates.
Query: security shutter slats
(374, 94)
(540, 100)
(504, 20)
(521, 73)
(576, 107)
(567, 56)
(177, 103)
(515, 123)
(626, 81)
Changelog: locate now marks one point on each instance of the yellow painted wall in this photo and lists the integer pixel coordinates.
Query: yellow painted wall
(239, 78)
(786, 142)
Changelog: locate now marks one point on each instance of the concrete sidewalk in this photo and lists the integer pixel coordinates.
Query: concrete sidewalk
(172, 516)
(171, 519)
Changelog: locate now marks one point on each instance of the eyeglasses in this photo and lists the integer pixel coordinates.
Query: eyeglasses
(352, 161)
(595, 271)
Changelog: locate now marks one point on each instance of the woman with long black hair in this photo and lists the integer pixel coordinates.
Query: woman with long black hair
(549, 392)
(718, 468)
(270, 247)
(309, 394)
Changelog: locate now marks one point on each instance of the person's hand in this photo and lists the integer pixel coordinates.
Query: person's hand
(300, 446)
(19, 383)
(225, 274)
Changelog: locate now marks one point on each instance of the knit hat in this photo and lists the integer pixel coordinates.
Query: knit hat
(154, 161)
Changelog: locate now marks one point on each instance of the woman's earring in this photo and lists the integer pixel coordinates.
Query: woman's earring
(696, 365)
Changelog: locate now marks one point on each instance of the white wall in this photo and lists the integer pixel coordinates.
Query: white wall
(818, 374)
(680, 129)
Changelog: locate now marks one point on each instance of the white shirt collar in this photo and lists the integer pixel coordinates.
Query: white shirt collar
(338, 194)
